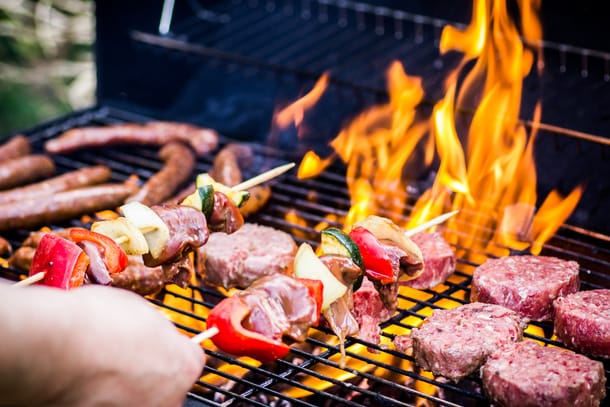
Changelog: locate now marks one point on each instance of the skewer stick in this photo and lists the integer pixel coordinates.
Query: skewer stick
(207, 334)
(432, 222)
(30, 280)
(265, 176)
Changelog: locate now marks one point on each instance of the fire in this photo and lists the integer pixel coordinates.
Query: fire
(486, 152)
(295, 112)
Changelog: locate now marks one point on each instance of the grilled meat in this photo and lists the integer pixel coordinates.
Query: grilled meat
(71, 180)
(527, 374)
(369, 311)
(179, 163)
(62, 206)
(5, 247)
(139, 278)
(226, 216)
(582, 321)
(455, 342)
(439, 260)
(280, 307)
(16, 146)
(526, 284)
(23, 170)
(238, 259)
(188, 231)
(153, 133)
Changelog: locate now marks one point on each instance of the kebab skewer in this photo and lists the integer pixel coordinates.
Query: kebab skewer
(144, 230)
(263, 319)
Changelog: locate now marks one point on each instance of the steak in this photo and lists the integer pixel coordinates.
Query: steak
(439, 260)
(238, 259)
(455, 342)
(525, 284)
(527, 374)
(369, 310)
(582, 321)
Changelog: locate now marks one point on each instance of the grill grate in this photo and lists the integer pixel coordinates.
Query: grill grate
(312, 376)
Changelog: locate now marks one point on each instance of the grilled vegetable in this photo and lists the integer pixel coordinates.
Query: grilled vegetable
(155, 231)
(316, 291)
(228, 316)
(62, 261)
(308, 265)
(238, 197)
(336, 241)
(121, 229)
(114, 256)
(202, 199)
(376, 260)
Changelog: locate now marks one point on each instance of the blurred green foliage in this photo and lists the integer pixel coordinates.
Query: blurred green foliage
(46, 61)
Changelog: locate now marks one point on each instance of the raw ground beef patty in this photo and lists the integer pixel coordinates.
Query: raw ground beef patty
(455, 342)
(239, 258)
(582, 321)
(525, 284)
(527, 374)
(439, 260)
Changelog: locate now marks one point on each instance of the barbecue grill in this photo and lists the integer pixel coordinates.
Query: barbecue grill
(229, 64)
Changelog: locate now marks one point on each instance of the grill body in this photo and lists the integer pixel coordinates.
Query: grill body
(228, 65)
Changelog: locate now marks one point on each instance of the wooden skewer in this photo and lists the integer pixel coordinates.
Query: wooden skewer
(30, 280)
(265, 176)
(432, 222)
(207, 334)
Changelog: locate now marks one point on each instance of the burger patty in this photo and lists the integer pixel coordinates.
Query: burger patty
(253, 251)
(439, 260)
(527, 374)
(455, 342)
(582, 321)
(525, 284)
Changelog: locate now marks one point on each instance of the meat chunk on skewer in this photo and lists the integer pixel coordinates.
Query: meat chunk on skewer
(439, 260)
(238, 259)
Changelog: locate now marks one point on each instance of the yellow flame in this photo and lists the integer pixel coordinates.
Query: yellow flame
(312, 165)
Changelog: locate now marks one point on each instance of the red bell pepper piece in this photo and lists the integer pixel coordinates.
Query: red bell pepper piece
(115, 257)
(316, 290)
(235, 339)
(62, 261)
(377, 263)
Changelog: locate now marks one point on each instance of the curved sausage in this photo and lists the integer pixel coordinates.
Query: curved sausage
(26, 169)
(5, 247)
(153, 133)
(63, 206)
(70, 180)
(179, 165)
(17, 146)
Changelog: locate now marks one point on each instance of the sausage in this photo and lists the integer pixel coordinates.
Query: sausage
(26, 169)
(63, 205)
(17, 146)
(179, 165)
(5, 247)
(226, 168)
(153, 133)
(22, 258)
(70, 180)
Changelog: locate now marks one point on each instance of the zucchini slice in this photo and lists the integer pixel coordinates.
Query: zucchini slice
(336, 241)
(238, 197)
(202, 199)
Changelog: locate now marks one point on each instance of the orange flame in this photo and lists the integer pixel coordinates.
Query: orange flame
(295, 112)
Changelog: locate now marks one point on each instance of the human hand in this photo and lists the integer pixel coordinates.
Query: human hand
(104, 346)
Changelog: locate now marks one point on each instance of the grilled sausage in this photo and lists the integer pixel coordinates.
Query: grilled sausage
(153, 133)
(17, 146)
(22, 258)
(179, 165)
(63, 205)
(70, 180)
(5, 246)
(26, 169)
